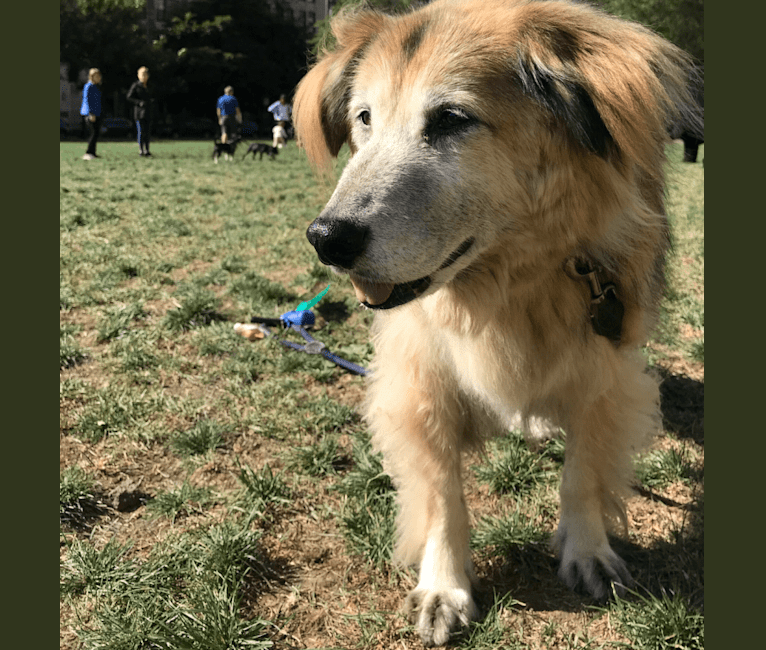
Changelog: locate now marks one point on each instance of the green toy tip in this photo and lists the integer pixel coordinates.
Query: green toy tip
(310, 303)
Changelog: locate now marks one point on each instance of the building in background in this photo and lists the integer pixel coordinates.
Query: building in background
(71, 99)
(307, 13)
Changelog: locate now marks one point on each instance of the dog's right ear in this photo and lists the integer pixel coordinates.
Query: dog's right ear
(320, 108)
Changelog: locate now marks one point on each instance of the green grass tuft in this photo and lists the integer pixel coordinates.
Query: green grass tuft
(70, 352)
(512, 467)
(262, 490)
(666, 623)
(90, 571)
(368, 515)
(117, 321)
(116, 410)
(204, 437)
(369, 527)
(660, 468)
(189, 593)
(197, 308)
(490, 633)
(74, 484)
(317, 460)
(176, 503)
(136, 351)
(504, 533)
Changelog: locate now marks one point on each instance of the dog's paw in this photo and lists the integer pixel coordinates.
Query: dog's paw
(438, 613)
(597, 572)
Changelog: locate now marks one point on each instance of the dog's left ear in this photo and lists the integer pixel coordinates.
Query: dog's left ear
(616, 86)
(320, 108)
(566, 99)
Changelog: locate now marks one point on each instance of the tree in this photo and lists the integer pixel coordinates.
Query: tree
(323, 37)
(208, 45)
(212, 44)
(103, 34)
(680, 21)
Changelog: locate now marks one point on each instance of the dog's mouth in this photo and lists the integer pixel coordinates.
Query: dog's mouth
(387, 295)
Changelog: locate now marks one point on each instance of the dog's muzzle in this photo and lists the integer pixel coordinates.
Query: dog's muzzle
(339, 243)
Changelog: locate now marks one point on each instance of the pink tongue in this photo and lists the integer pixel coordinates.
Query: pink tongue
(373, 293)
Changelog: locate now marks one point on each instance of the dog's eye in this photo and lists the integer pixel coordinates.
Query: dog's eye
(452, 118)
(365, 118)
(448, 122)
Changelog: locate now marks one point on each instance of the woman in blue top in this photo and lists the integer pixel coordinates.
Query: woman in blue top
(91, 110)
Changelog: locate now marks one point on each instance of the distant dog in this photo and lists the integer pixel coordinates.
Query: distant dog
(258, 148)
(225, 149)
(280, 136)
(502, 212)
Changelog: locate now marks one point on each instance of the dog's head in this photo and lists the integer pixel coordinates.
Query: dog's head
(479, 123)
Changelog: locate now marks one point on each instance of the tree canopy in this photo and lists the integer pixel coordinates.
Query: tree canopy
(215, 43)
(102, 34)
(255, 45)
(210, 44)
(680, 21)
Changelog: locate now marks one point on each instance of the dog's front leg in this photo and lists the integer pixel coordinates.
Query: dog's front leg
(601, 437)
(419, 428)
(442, 602)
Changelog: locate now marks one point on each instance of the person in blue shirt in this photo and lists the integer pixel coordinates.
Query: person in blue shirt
(91, 111)
(228, 112)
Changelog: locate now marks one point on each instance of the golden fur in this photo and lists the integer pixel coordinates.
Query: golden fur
(493, 141)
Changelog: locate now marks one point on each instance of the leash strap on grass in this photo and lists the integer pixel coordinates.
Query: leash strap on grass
(313, 346)
(298, 319)
(317, 347)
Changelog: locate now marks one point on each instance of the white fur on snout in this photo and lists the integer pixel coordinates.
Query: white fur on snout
(396, 194)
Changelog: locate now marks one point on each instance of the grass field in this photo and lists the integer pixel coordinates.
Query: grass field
(220, 493)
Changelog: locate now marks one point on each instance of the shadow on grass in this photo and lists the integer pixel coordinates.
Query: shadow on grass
(80, 515)
(682, 401)
(668, 567)
(334, 311)
(268, 575)
(671, 566)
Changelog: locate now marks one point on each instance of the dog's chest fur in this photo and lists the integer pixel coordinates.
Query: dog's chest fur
(507, 367)
(489, 370)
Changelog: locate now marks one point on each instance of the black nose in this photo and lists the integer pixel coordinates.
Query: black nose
(338, 242)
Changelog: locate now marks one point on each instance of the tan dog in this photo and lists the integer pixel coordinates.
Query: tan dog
(506, 176)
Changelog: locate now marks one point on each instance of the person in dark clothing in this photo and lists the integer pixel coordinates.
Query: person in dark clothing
(141, 98)
(91, 111)
(693, 138)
